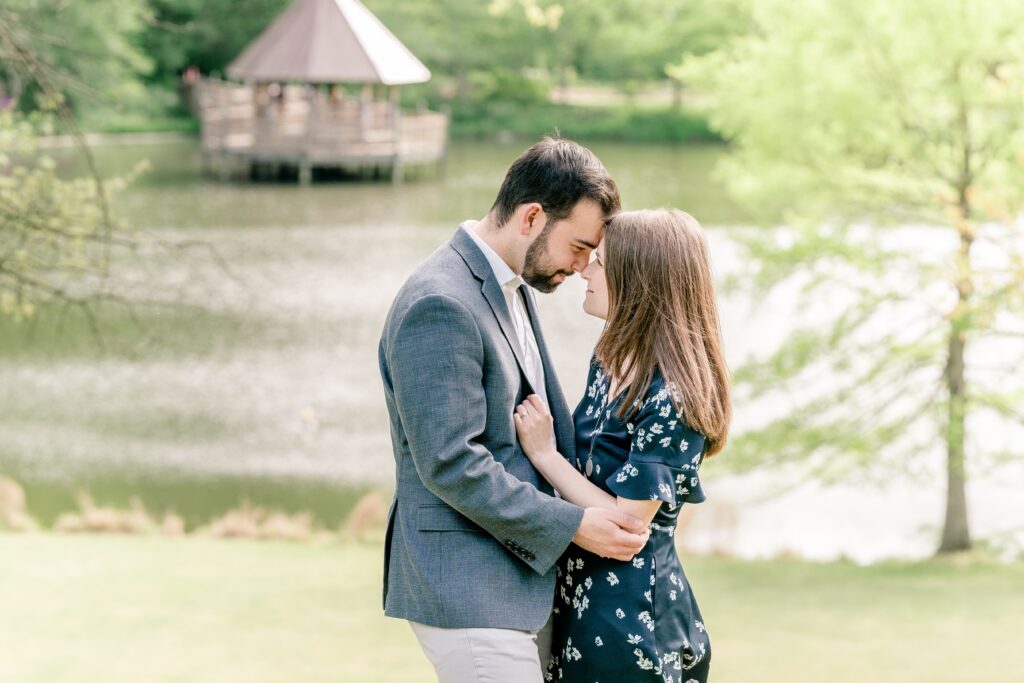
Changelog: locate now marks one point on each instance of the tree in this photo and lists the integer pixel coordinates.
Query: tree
(640, 37)
(853, 122)
(605, 41)
(208, 34)
(58, 237)
(627, 42)
(462, 39)
(87, 50)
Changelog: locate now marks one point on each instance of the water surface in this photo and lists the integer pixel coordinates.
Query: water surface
(261, 381)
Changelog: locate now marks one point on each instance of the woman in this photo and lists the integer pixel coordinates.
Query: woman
(657, 404)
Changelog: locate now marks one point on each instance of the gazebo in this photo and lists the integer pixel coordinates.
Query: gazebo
(292, 109)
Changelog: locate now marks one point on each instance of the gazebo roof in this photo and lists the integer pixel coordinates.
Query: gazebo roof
(328, 41)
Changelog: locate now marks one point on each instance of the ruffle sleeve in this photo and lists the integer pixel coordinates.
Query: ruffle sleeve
(664, 456)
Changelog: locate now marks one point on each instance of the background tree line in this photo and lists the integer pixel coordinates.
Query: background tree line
(122, 57)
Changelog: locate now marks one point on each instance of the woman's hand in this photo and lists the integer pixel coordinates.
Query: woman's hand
(536, 429)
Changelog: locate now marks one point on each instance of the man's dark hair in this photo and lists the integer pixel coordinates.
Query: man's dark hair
(556, 174)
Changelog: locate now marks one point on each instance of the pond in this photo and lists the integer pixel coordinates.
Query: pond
(261, 381)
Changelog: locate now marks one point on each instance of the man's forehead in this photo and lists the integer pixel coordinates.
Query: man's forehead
(584, 233)
(585, 223)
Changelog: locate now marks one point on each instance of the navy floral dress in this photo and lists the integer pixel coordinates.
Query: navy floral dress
(632, 621)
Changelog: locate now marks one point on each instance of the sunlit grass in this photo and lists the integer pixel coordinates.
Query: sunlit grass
(130, 609)
(82, 608)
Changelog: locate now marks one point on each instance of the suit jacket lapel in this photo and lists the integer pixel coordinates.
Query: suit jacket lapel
(496, 299)
(492, 292)
(565, 433)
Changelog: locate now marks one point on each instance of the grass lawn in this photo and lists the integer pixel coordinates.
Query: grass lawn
(112, 609)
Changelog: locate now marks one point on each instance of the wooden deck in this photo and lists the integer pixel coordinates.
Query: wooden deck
(305, 128)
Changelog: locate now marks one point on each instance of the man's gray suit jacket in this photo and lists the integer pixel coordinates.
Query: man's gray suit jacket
(474, 530)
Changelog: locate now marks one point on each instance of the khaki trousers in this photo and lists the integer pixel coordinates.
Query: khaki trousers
(485, 655)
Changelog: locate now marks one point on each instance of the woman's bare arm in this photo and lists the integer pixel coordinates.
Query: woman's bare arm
(535, 426)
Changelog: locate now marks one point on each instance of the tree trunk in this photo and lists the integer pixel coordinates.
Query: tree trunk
(956, 534)
(677, 94)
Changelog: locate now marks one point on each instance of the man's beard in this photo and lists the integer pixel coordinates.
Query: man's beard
(536, 271)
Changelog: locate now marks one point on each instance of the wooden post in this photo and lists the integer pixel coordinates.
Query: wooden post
(396, 109)
(312, 93)
(396, 134)
(396, 170)
(366, 109)
(442, 163)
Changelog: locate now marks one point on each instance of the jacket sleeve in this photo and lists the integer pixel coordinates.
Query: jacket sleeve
(435, 368)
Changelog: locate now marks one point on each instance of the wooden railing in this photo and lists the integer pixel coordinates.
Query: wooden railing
(302, 123)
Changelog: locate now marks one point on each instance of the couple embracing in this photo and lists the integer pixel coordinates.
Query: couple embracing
(527, 542)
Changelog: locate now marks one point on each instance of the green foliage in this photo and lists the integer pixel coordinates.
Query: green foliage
(118, 62)
(840, 108)
(55, 234)
(851, 122)
(619, 123)
(455, 37)
(87, 49)
(504, 85)
(208, 34)
(628, 40)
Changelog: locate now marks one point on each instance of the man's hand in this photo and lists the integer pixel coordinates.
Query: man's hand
(610, 533)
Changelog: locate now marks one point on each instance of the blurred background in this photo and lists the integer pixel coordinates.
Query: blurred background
(207, 207)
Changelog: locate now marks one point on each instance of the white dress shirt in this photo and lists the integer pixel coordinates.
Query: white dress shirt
(510, 284)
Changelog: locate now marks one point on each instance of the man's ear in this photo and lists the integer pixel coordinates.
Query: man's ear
(532, 216)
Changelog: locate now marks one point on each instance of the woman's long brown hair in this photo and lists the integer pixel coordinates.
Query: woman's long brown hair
(662, 315)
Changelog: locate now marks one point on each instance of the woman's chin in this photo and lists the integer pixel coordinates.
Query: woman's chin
(590, 311)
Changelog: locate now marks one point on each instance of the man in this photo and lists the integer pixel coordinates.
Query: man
(474, 531)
